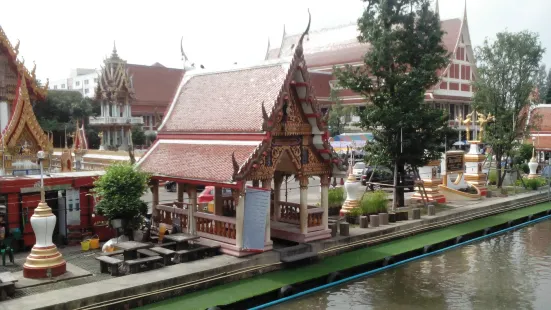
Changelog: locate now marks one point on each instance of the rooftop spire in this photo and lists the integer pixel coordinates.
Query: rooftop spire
(465, 13)
(282, 41)
(437, 9)
(114, 54)
(267, 49)
(299, 45)
(184, 56)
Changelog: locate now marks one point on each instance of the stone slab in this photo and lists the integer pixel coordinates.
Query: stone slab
(73, 272)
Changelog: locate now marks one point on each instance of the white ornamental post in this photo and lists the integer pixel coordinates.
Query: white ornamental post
(533, 164)
(44, 261)
(352, 187)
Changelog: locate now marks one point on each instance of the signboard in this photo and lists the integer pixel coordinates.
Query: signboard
(455, 162)
(257, 204)
(36, 188)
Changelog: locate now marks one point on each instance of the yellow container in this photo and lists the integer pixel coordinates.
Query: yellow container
(85, 245)
(94, 242)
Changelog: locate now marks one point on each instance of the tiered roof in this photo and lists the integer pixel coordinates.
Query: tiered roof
(220, 123)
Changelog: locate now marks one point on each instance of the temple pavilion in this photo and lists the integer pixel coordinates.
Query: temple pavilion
(245, 125)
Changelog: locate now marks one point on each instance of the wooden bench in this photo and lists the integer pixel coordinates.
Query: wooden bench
(150, 263)
(146, 253)
(6, 289)
(182, 256)
(113, 253)
(109, 264)
(169, 245)
(166, 254)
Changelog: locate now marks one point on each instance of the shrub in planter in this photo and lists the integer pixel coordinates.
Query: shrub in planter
(336, 198)
(119, 193)
(353, 217)
(374, 203)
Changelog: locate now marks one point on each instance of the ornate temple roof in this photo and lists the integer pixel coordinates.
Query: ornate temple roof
(34, 90)
(114, 83)
(220, 125)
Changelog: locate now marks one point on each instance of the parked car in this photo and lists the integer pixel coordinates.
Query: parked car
(385, 176)
(171, 186)
(207, 195)
(358, 169)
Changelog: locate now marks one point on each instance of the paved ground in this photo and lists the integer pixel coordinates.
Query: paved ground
(293, 193)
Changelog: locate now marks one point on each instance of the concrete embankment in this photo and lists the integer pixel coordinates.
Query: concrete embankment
(213, 281)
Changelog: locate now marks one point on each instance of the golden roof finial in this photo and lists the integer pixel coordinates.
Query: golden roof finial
(33, 72)
(16, 48)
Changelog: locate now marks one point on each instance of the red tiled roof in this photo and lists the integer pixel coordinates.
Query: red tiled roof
(339, 45)
(541, 143)
(205, 162)
(540, 119)
(320, 82)
(154, 85)
(226, 101)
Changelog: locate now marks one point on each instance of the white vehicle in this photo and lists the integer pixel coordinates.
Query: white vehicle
(358, 169)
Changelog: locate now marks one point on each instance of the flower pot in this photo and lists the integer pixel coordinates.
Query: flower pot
(117, 223)
(392, 217)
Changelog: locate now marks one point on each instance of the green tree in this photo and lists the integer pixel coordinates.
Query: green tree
(547, 94)
(60, 111)
(541, 83)
(338, 115)
(119, 192)
(138, 135)
(525, 151)
(405, 55)
(507, 75)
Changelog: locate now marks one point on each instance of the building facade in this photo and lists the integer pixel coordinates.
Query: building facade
(338, 46)
(82, 80)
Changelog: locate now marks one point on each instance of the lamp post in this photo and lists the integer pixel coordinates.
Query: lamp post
(44, 261)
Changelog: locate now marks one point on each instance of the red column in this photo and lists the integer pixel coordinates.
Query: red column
(85, 210)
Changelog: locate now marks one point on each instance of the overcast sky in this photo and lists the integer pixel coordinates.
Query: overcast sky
(63, 34)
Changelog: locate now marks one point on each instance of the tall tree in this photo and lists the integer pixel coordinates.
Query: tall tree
(542, 83)
(338, 115)
(60, 111)
(402, 63)
(507, 75)
(546, 96)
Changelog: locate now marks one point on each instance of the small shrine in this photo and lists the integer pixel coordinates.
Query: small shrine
(256, 125)
(462, 175)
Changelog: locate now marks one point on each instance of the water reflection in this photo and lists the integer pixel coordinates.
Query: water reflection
(511, 271)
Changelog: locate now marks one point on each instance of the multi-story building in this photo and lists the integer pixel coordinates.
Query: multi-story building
(338, 46)
(131, 95)
(83, 80)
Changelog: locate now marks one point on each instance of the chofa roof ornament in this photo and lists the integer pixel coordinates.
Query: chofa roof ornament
(300, 49)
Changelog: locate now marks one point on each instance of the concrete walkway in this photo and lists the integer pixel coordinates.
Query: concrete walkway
(75, 293)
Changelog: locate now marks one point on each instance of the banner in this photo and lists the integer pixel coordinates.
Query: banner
(257, 204)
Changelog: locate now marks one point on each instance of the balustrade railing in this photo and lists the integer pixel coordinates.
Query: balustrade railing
(289, 212)
(315, 217)
(220, 228)
(115, 120)
(228, 206)
(175, 213)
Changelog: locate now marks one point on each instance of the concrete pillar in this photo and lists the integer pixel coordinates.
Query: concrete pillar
(192, 193)
(239, 217)
(267, 184)
(4, 114)
(218, 202)
(303, 204)
(155, 199)
(101, 106)
(180, 194)
(109, 137)
(324, 180)
(278, 180)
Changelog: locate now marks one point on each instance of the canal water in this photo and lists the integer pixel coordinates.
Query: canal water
(510, 271)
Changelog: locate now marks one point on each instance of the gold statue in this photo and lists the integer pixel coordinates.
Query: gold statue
(483, 121)
(467, 122)
(100, 135)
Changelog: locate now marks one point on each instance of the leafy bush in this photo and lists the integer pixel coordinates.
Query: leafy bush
(336, 196)
(492, 177)
(534, 184)
(375, 202)
(525, 168)
(119, 192)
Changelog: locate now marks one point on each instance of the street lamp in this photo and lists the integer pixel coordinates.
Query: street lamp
(44, 261)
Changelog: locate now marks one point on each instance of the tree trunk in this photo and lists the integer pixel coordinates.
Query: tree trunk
(395, 183)
(401, 198)
(498, 171)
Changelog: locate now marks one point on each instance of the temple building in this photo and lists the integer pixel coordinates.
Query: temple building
(131, 95)
(338, 46)
(22, 138)
(248, 124)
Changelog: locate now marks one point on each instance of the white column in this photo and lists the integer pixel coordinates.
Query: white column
(303, 204)
(101, 106)
(267, 184)
(192, 193)
(4, 114)
(239, 217)
(109, 136)
(324, 180)
(278, 180)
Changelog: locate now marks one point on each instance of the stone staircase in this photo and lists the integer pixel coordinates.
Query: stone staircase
(297, 253)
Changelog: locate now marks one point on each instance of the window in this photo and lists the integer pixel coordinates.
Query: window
(86, 82)
(62, 86)
(452, 111)
(466, 109)
(86, 90)
(77, 83)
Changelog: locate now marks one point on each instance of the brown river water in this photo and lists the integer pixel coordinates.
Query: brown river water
(510, 271)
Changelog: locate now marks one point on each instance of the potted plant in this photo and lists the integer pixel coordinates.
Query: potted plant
(374, 203)
(353, 217)
(119, 193)
(336, 198)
